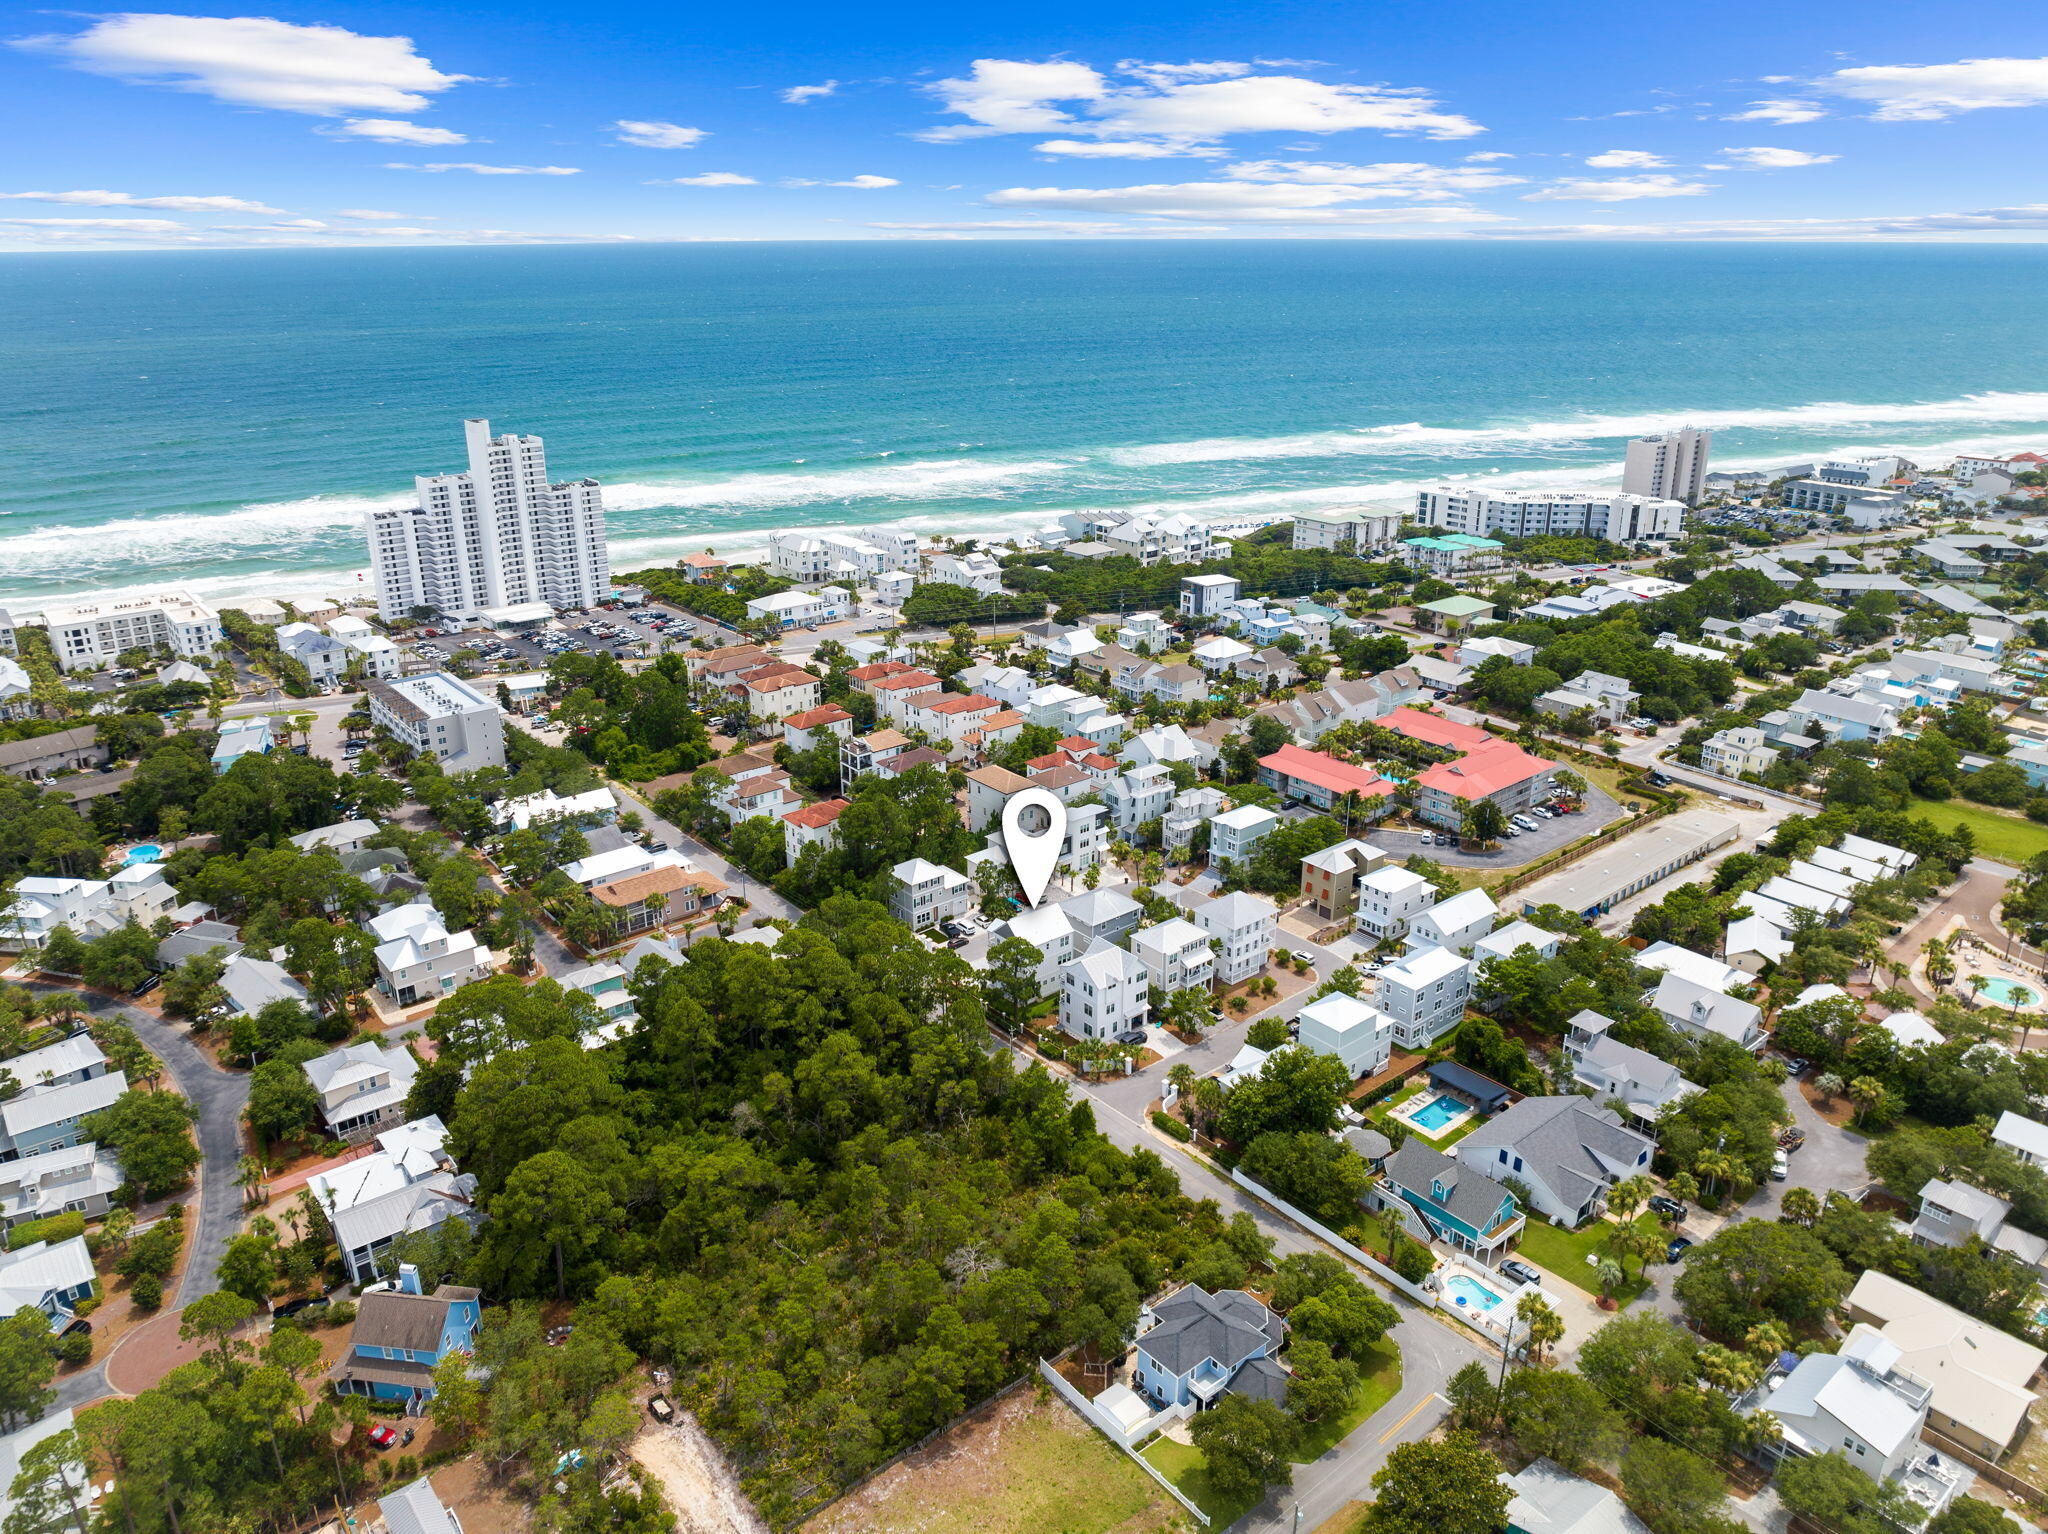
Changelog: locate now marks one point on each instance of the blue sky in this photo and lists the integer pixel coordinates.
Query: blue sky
(353, 124)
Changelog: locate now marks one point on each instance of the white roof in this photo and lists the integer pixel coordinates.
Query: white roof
(418, 920)
(1831, 1383)
(2022, 1134)
(1670, 959)
(39, 1107)
(1912, 1028)
(1425, 968)
(1879, 852)
(1979, 1373)
(76, 1053)
(1757, 934)
(1104, 962)
(620, 863)
(1462, 909)
(1245, 817)
(1502, 942)
(1815, 877)
(1040, 926)
(17, 1443)
(1392, 880)
(40, 1269)
(1169, 936)
(548, 805)
(1341, 1013)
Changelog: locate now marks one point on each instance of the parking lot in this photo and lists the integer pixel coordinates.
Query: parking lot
(625, 633)
(1599, 811)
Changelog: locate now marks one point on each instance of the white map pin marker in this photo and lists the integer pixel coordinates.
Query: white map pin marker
(1034, 830)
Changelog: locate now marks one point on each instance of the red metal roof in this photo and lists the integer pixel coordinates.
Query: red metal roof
(1326, 772)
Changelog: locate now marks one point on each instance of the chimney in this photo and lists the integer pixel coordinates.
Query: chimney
(408, 1279)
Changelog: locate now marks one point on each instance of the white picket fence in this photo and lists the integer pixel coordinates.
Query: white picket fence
(1357, 1254)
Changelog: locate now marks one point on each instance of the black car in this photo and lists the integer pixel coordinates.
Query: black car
(1670, 1208)
(952, 929)
(1520, 1272)
(1676, 1251)
(1129, 1036)
(297, 1307)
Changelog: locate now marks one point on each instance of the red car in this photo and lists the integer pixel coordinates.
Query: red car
(383, 1435)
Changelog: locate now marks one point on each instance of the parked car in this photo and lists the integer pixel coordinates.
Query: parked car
(1676, 1251)
(292, 1308)
(1792, 1139)
(1781, 1167)
(1520, 1272)
(1129, 1036)
(383, 1435)
(659, 1409)
(1669, 1208)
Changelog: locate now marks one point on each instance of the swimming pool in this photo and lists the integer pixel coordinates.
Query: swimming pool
(143, 852)
(1439, 1111)
(1469, 1292)
(2006, 993)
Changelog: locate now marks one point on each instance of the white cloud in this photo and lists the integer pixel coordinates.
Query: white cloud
(1236, 201)
(1123, 149)
(1180, 74)
(489, 170)
(128, 200)
(255, 61)
(1626, 159)
(1783, 113)
(1621, 189)
(858, 183)
(1487, 157)
(374, 214)
(797, 95)
(1176, 108)
(1762, 158)
(2028, 216)
(120, 225)
(657, 135)
(392, 130)
(1020, 225)
(709, 178)
(1927, 92)
(1391, 179)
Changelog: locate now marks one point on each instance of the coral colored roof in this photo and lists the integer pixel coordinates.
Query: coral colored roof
(918, 679)
(1078, 743)
(810, 719)
(1003, 720)
(880, 668)
(1326, 772)
(1047, 762)
(703, 561)
(815, 817)
(965, 703)
(1099, 762)
(1435, 730)
(1498, 765)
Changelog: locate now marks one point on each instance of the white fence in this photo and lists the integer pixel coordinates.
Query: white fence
(1117, 1434)
(1357, 1254)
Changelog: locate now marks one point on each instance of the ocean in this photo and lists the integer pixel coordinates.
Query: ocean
(221, 420)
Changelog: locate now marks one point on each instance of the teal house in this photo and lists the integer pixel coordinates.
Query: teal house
(1461, 1207)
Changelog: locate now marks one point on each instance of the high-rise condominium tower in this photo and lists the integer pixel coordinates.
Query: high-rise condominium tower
(498, 535)
(1671, 466)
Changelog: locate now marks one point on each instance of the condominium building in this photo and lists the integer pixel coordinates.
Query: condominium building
(1360, 531)
(1669, 466)
(90, 634)
(1425, 994)
(1243, 925)
(442, 715)
(1617, 518)
(496, 535)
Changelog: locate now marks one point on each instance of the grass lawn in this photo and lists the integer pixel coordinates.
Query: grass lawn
(1182, 1464)
(1028, 1466)
(1564, 1253)
(2002, 838)
(1379, 1382)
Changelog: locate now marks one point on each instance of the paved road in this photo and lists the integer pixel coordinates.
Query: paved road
(761, 900)
(219, 1096)
(1432, 1350)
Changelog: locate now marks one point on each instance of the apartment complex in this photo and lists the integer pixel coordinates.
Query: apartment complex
(1617, 518)
(1669, 466)
(441, 715)
(496, 535)
(88, 635)
(1360, 531)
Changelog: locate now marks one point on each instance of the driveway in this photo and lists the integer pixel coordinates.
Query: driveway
(219, 1096)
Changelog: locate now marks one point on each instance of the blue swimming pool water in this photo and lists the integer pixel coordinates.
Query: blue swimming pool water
(2007, 993)
(1470, 1292)
(1436, 1113)
(144, 852)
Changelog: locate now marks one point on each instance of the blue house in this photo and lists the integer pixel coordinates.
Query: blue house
(51, 1276)
(240, 738)
(1456, 1203)
(1194, 1345)
(400, 1334)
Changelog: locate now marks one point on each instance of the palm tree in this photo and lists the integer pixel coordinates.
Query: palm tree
(1683, 1187)
(1714, 1165)
(1979, 984)
(1940, 962)
(1802, 1205)
(1829, 1085)
(249, 1175)
(1182, 1079)
(1866, 1092)
(1612, 1276)
(1766, 1340)
(1208, 1100)
(1569, 783)
(1627, 1196)
(1542, 1326)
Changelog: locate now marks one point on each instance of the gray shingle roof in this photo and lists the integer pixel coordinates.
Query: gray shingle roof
(1192, 1324)
(1473, 1196)
(1575, 1147)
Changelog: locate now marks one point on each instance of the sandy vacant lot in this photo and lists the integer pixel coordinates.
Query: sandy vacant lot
(694, 1477)
(1025, 1465)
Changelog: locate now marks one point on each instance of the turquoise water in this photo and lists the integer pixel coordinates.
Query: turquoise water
(142, 852)
(1470, 1292)
(2007, 993)
(1437, 1112)
(223, 419)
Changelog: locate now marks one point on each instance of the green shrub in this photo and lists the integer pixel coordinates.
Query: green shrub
(1173, 1126)
(147, 1291)
(1052, 1049)
(74, 1348)
(58, 1227)
(1412, 1261)
(341, 1313)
